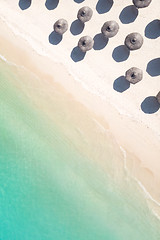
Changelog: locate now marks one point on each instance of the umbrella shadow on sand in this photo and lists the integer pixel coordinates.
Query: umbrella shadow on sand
(51, 4)
(104, 6)
(100, 41)
(77, 55)
(150, 105)
(128, 14)
(24, 4)
(76, 27)
(120, 53)
(153, 67)
(54, 38)
(79, 1)
(121, 84)
(152, 30)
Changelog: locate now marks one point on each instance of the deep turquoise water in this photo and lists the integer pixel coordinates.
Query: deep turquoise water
(50, 189)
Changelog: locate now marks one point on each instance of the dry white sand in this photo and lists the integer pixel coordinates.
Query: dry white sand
(93, 80)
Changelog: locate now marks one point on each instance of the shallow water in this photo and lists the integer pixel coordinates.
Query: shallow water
(60, 176)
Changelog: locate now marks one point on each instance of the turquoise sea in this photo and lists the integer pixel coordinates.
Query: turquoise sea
(59, 177)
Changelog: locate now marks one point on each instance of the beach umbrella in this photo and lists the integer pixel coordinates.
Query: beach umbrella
(85, 43)
(158, 97)
(134, 41)
(134, 75)
(110, 29)
(84, 14)
(141, 3)
(61, 26)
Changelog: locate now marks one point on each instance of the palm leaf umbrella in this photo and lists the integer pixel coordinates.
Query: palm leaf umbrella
(84, 14)
(134, 75)
(85, 43)
(61, 26)
(158, 97)
(134, 41)
(141, 3)
(110, 29)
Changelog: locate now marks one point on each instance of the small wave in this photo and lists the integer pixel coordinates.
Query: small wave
(144, 190)
(148, 195)
(102, 128)
(124, 158)
(7, 61)
(3, 58)
(156, 214)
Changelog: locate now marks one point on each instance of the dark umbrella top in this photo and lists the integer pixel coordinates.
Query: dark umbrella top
(141, 3)
(61, 26)
(84, 14)
(134, 75)
(85, 43)
(134, 41)
(158, 97)
(110, 29)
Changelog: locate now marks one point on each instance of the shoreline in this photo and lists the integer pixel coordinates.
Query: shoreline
(138, 140)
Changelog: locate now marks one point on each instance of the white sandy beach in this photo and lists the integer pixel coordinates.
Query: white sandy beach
(29, 34)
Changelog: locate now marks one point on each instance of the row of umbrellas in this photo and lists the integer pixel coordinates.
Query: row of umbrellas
(137, 3)
(133, 41)
(84, 15)
(109, 29)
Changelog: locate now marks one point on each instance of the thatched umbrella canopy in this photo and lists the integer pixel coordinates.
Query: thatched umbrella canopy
(84, 14)
(134, 75)
(85, 43)
(61, 26)
(141, 3)
(110, 29)
(158, 97)
(134, 41)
